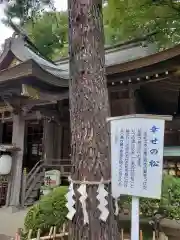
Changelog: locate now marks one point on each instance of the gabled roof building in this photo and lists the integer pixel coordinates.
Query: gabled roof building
(34, 107)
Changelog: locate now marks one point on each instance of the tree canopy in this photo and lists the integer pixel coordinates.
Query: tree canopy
(47, 28)
(123, 20)
(49, 33)
(128, 19)
(25, 10)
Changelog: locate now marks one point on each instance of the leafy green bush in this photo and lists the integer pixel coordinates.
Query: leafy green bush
(49, 211)
(170, 201)
(168, 206)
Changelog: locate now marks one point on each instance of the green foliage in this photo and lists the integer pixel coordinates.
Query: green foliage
(127, 19)
(49, 33)
(168, 206)
(49, 211)
(25, 9)
(123, 20)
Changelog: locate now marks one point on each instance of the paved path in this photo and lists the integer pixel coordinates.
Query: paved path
(4, 237)
(10, 222)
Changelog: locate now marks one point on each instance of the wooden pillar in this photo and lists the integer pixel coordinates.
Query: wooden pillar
(109, 98)
(1, 132)
(123, 102)
(15, 181)
(48, 140)
(132, 101)
(58, 141)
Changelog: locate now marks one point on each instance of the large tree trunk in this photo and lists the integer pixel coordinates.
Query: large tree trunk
(89, 108)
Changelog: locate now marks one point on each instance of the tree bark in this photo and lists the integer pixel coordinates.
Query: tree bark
(89, 108)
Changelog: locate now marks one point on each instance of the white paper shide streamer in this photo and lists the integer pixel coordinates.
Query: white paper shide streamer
(82, 199)
(102, 194)
(70, 202)
(116, 207)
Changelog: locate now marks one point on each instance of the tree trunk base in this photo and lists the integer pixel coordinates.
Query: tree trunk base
(96, 229)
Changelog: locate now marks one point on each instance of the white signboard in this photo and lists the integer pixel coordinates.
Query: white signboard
(52, 178)
(137, 156)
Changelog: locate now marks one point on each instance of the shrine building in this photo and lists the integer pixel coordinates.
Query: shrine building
(34, 108)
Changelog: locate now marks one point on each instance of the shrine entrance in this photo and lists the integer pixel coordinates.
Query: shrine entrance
(32, 142)
(33, 149)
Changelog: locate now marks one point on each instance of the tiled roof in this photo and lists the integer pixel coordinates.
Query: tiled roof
(116, 56)
(24, 53)
(20, 48)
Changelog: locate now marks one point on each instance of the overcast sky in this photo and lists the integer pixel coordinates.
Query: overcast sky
(7, 32)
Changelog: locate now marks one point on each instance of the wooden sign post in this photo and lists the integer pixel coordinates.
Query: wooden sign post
(137, 143)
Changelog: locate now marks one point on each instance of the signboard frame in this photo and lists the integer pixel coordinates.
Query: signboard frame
(135, 199)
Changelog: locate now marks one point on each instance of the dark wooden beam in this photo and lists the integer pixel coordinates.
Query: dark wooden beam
(38, 94)
(150, 74)
(132, 100)
(173, 125)
(123, 87)
(54, 97)
(48, 115)
(27, 104)
(53, 115)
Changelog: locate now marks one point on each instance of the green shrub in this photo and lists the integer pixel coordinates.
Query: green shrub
(170, 201)
(168, 206)
(49, 211)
